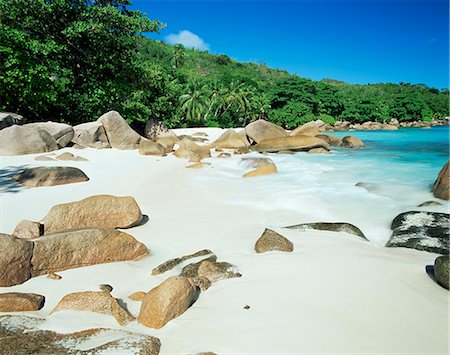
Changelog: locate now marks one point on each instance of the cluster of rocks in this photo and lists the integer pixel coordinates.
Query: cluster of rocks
(392, 125)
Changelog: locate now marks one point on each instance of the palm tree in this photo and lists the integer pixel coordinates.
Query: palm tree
(193, 103)
(179, 56)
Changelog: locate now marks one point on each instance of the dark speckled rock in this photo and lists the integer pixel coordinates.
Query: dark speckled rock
(442, 270)
(331, 227)
(428, 231)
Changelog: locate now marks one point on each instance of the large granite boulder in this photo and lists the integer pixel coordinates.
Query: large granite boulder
(15, 260)
(21, 335)
(91, 134)
(98, 302)
(352, 142)
(18, 140)
(273, 241)
(441, 185)
(167, 301)
(308, 129)
(295, 143)
(230, 140)
(93, 212)
(61, 132)
(331, 227)
(8, 119)
(442, 270)
(191, 151)
(50, 176)
(155, 130)
(331, 140)
(120, 134)
(428, 231)
(21, 302)
(262, 130)
(83, 247)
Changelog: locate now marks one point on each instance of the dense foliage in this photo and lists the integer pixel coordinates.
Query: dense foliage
(74, 60)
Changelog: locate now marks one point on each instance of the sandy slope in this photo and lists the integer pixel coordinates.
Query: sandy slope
(334, 294)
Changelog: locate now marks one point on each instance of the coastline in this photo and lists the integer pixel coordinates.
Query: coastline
(334, 293)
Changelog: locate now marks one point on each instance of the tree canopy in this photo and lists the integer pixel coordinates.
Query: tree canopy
(71, 61)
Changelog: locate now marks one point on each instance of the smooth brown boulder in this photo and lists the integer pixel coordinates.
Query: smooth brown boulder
(28, 230)
(148, 147)
(83, 247)
(230, 140)
(262, 130)
(296, 143)
(318, 151)
(20, 334)
(168, 143)
(352, 142)
(137, 296)
(120, 134)
(93, 212)
(441, 185)
(21, 302)
(331, 140)
(272, 241)
(61, 132)
(18, 140)
(191, 151)
(91, 134)
(308, 129)
(167, 301)
(15, 260)
(98, 302)
(216, 271)
(50, 176)
(267, 169)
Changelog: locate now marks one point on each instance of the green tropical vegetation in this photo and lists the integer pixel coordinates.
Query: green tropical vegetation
(71, 61)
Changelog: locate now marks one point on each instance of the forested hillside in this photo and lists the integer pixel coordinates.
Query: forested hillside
(73, 61)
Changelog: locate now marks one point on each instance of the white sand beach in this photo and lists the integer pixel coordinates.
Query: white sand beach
(334, 294)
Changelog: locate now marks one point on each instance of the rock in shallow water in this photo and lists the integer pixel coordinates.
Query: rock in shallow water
(428, 231)
(441, 185)
(330, 226)
(20, 334)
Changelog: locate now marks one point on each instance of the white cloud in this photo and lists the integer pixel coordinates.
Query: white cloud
(188, 39)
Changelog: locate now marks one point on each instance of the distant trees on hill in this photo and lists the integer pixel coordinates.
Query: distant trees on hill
(71, 61)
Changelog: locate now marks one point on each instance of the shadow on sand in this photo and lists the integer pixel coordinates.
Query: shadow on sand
(7, 184)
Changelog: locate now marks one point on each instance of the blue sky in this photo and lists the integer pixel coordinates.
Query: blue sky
(355, 41)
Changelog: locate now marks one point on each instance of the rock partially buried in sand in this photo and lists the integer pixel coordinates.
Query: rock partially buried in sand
(331, 227)
(263, 166)
(295, 143)
(191, 270)
(272, 241)
(216, 271)
(83, 247)
(120, 134)
(224, 155)
(262, 130)
(191, 151)
(44, 158)
(50, 176)
(147, 147)
(442, 270)
(428, 231)
(70, 156)
(18, 140)
(198, 165)
(441, 185)
(91, 134)
(352, 142)
(28, 230)
(21, 302)
(15, 257)
(21, 334)
(167, 301)
(93, 212)
(170, 264)
(98, 302)
(137, 296)
(230, 140)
